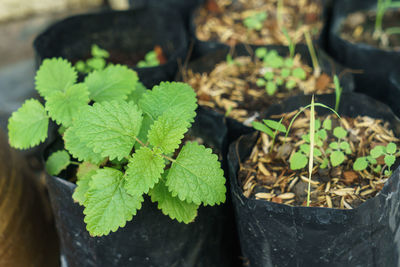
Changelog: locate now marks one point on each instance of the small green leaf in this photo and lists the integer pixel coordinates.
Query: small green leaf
(389, 160)
(299, 73)
(339, 132)
(260, 82)
(391, 148)
(263, 128)
(271, 88)
(175, 208)
(317, 124)
(54, 75)
(298, 161)
(289, 62)
(322, 134)
(305, 148)
(317, 152)
(345, 146)
(107, 205)
(85, 172)
(115, 82)
(99, 52)
(377, 151)
(378, 169)
(96, 63)
(285, 73)
(275, 125)
(63, 107)
(27, 126)
(279, 81)
(337, 158)
(196, 176)
(324, 163)
(261, 52)
(334, 145)
(276, 62)
(372, 160)
(143, 172)
(360, 164)
(80, 66)
(388, 172)
(137, 94)
(57, 162)
(290, 84)
(327, 124)
(109, 128)
(269, 75)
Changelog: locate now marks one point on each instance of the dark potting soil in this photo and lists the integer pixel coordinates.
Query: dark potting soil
(230, 88)
(359, 27)
(266, 173)
(223, 21)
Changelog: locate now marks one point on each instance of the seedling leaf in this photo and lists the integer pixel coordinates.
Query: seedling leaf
(389, 160)
(337, 157)
(27, 126)
(339, 132)
(57, 162)
(298, 161)
(377, 151)
(195, 176)
(85, 172)
(263, 128)
(275, 125)
(391, 148)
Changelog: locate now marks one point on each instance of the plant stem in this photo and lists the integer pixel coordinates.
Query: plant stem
(311, 159)
(168, 158)
(314, 59)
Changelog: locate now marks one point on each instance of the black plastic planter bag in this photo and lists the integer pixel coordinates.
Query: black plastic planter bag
(151, 239)
(213, 56)
(133, 33)
(375, 63)
(393, 98)
(274, 234)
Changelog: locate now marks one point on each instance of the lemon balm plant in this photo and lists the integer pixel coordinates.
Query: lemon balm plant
(126, 141)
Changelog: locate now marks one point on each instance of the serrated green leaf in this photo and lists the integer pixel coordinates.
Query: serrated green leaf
(339, 132)
(27, 126)
(337, 158)
(57, 162)
(78, 149)
(167, 132)
(298, 161)
(360, 164)
(115, 82)
(275, 125)
(263, 128)
(196, 176)
(63, 107)
(168, 95)
(85, 172)
(108, 206)
(54, 75)
(377, 151)
(391, 148)
(175, 208)
(109, 128)
(144, 129)
(143, 172)
(389, 160)
(136, 94)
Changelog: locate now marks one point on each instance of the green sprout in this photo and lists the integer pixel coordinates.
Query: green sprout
(280, 71)
(314, 59)
(150, 60)
(381, 7)
(255, 21)
(338, 149)
(338, 92)
(270, 127)
(390, 152)
(96, 62)
(292, 44)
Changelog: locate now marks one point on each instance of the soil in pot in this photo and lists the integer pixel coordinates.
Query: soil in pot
(237, 87)
(257, 22)
(267, 174)
(359, 27)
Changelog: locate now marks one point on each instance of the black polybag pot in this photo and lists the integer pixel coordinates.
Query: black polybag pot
(151, 238)
(393, 98)
(274, 234)
(215, 55)
(133, 32)
(374, 63)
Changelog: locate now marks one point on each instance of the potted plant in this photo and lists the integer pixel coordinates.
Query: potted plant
(122, 146)
(318, 189)
(363, 35)
(27, 232)
(120, 33)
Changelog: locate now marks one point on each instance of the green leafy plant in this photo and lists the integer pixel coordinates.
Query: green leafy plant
(381, 7)
(279, 71)
(96, 62)
(255, 21)
(126, 142)
(150, 60)
(389, 153)
(270, 127)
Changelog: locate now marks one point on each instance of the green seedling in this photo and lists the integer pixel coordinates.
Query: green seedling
(390, 152)
(124, 140)
(150, 60)
(314, 59)
(255, 21)
(271, 128)
(96, 62)
(338, 149)
(280, 71)
(292, 44)
(381, 7)
(338, 92)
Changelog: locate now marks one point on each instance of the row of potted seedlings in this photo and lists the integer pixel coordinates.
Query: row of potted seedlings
(310, 186)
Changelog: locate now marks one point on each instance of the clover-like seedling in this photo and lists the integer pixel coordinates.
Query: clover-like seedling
(279, 71)
(96, 62)
(125, 144)
(338, 149)
(255, 21)
(150, 60)
(390, 151)
(270, 127)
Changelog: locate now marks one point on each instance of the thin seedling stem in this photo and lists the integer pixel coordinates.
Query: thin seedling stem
(311, 159)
